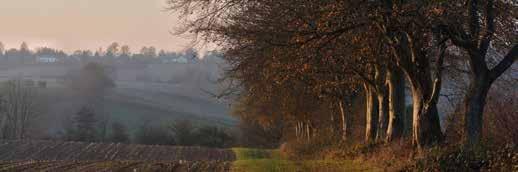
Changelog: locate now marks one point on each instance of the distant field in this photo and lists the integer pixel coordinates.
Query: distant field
(27, 150)
(94, 157)
(115, 166)
(134, 104)
(167, 102)
(134, 114)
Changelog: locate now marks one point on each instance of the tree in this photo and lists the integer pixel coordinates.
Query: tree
(327, 49)
(183, 132)
(2, 49)
(291, 43)
(91, 83)
(191, 55)
(83, 126)
(24, 47)
(99, 53)
(475, 33)
(113, 50)
(25, 53)
(253, 134)
(19, 109)
(148, 52)
(396, 86)
(125, 51)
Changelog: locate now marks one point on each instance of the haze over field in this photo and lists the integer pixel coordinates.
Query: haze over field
(171, 92)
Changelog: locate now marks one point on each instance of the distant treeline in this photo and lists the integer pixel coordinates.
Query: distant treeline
(86, 126)
(113, 54)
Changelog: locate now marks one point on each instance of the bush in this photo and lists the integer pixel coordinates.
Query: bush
(82, 127)
(152, 135)
(183, 132)
(312, 148)
(214, 137)
(462, 159)
(119, 133)
(500, 118)
(253, 134)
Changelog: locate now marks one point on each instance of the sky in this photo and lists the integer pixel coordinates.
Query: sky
(89, 24)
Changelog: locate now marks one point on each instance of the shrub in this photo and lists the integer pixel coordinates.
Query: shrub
(500, 118)
(462, 159)
(119, 133)
(153, 135)
(214, 137)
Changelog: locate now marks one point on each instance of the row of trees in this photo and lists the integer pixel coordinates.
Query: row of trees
(114, 54)
(305, 62)
(85, 126)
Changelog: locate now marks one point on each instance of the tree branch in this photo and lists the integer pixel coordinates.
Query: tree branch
(438, 76)
(474, 20)
(490, 28)
(363, 77)
(504, 64)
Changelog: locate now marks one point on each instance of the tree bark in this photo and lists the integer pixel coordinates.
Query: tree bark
(474, 103)
(344, 120)
(383, 109)
(371, 114)
(426, 128)
(396, 86)
(308, 131)
(426, 125)
(475, 99)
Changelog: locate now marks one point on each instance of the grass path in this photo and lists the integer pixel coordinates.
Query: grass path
(260, 160)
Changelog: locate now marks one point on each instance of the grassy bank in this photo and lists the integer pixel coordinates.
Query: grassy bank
(261, 160)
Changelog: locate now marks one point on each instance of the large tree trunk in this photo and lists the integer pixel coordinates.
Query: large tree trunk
(474, 103)
(475, 99)
(383, 107)
(426, 129)
(396, 88)
(426, 125)
(371, 114)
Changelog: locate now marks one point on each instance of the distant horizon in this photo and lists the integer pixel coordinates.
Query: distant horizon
(134, 50)
(89, 24)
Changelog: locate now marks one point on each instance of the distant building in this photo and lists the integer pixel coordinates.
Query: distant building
(46, 59)
(182, 60)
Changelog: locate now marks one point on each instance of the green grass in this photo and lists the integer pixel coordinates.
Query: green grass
(262, 160)
(253, 154)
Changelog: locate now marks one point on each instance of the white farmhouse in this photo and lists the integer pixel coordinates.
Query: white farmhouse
(46, 59)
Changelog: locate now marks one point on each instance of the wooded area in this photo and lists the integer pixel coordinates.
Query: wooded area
(309, 66)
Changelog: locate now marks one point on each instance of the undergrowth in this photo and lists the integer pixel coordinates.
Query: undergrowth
(402, 156)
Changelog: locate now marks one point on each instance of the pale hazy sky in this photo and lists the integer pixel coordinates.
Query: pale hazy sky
(88, 24)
